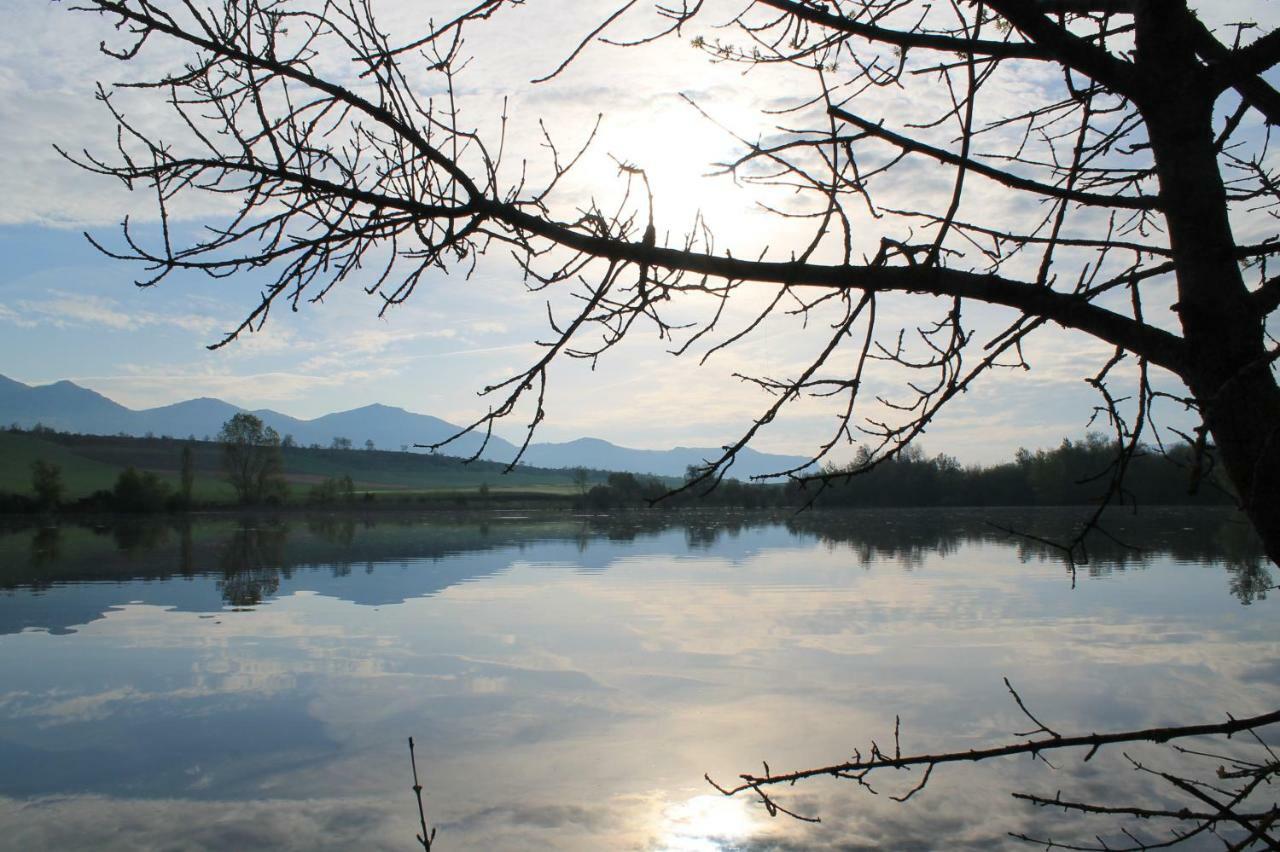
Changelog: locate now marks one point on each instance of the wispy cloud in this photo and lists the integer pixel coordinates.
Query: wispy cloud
(488, 327)
(147, 385)
(63, 309)
(9, 315)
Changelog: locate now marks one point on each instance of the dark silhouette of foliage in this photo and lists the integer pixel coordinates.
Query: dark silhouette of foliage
(46, 483)
(186, 475)
(1072, 474)
(334, 489)
(139, 491)
(251, 459)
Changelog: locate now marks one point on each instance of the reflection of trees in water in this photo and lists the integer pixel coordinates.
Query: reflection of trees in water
(252, 562)
(335, 529)
(186, 549)
(1250, 583)
(254, 556)
(702, 536)
(134, 538)
(909, 537)
(46, 546)
(340, 531)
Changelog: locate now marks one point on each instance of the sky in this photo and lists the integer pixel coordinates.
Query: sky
(68, 312)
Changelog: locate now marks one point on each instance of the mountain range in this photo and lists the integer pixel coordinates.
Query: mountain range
(68, 407)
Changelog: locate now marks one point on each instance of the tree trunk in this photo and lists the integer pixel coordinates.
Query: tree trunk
(1227, 366)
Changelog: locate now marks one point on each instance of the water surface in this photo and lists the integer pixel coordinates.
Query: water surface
(250, 683)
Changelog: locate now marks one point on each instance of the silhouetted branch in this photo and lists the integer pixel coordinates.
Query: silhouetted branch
(428, 835)
(859, 769)
(1099, 189)
(1010, 180)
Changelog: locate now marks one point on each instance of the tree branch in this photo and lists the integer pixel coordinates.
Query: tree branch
(1033, 747)
(226, 50)
(906, 39)
(1258, 56)
(1065, 46)
(1267, 297)
(1159, 346)
(906, 143)
(1239, 69)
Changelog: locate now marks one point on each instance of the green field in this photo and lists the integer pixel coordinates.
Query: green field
(93, 462)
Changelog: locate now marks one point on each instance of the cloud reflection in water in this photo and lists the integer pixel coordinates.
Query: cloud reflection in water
(569, 681)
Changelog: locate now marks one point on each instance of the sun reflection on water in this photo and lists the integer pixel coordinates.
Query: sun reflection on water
(707, 823)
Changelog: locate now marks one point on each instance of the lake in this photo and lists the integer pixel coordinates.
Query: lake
(236, 683)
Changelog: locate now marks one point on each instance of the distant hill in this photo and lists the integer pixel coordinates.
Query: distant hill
(602, 455)
(64, 406)
(389, 428)
(90, 463)
(192, 417)
(67, 407)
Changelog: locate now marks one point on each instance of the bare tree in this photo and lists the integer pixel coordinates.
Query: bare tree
(1104, 205)
(1132, 172)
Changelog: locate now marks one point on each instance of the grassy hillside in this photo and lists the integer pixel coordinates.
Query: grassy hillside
(92, 462)
(81, 475)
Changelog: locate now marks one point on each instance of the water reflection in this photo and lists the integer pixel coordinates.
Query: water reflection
(252, 557)
(249, 683)
(252, 562)
(45, 549)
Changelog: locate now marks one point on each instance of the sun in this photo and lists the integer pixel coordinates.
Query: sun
(705, 823)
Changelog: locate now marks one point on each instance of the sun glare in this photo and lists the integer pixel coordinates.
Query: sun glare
(677, 148)
(705, 824)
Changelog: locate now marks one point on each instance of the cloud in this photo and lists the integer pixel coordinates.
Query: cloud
(637, 93)
(148, 385)
(64, 822)
(12, 317)
(64, 309)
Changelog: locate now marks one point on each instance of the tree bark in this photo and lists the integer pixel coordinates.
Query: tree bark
(1228, 370)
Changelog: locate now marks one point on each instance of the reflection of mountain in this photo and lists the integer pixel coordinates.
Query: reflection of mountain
(58, 577)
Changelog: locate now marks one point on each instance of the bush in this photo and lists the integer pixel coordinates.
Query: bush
(333, 490)
(139, 491)
(16, 503)
(46, 482)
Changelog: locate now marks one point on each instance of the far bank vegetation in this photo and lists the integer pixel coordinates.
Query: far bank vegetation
(44, 470)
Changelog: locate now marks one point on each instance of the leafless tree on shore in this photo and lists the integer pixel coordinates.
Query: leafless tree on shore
(1126, 177)
(1117, 188)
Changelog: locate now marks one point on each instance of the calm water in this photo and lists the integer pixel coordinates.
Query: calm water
(230, 684)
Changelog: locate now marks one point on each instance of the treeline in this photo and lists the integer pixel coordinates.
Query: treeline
(1073, 473)
(134, 491)
(250, 465)
(625, 490)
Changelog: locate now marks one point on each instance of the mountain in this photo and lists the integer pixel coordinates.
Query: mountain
(602, 455)
(8, 385)
(389, 428)
(64, 406)
(199, 417)
(67, 407)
